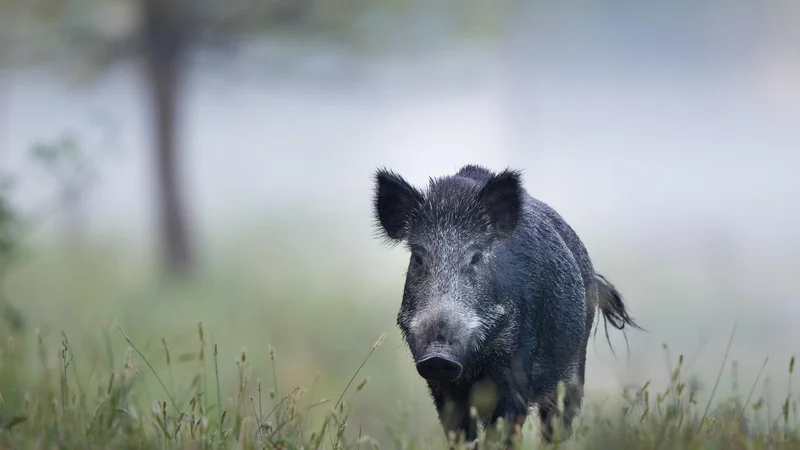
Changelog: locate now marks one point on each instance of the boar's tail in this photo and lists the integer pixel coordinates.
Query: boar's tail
(613, 308)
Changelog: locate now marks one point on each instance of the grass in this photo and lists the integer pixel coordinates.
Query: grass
(65, 408)
(60, 412)
(118, 361)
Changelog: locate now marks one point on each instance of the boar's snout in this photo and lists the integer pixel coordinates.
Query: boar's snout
(439, 365)
(439, 344)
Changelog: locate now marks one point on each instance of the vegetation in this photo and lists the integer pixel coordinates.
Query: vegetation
(67, 406)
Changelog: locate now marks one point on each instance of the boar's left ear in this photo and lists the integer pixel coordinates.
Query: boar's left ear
(501, 198)
(394, 203)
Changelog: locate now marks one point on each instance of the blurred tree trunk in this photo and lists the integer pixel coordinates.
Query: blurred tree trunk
(164, 45)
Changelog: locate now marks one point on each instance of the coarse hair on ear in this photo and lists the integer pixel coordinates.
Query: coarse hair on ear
(501, 197)
(394, 204)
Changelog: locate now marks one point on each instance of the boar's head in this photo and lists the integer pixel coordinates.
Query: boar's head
(451, 305)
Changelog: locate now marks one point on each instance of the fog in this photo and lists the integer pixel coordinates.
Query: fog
(672, 152)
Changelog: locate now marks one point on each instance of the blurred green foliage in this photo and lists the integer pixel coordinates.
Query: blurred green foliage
(71, 167)
(12, 322)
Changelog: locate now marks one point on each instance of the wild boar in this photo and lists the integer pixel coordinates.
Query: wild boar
(500, 293)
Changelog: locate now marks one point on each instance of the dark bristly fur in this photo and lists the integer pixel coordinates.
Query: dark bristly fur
(500, 289)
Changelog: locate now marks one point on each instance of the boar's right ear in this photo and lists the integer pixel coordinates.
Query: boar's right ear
(501, 198)
(395, 201)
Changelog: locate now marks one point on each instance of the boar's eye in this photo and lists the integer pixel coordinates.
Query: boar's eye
(476, 258)
(416, 259)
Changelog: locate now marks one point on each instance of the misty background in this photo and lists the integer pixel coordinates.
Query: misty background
(667, 135)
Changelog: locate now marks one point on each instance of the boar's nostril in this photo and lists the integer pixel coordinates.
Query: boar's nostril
(439, 368)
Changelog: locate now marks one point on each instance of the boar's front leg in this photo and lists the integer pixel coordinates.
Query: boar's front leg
(513, 412)
(452, 404)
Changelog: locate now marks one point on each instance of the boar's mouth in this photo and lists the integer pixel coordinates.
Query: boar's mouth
(439, 363)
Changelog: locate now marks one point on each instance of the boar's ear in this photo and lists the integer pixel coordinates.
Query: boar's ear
(501, 198)
(394, 202)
